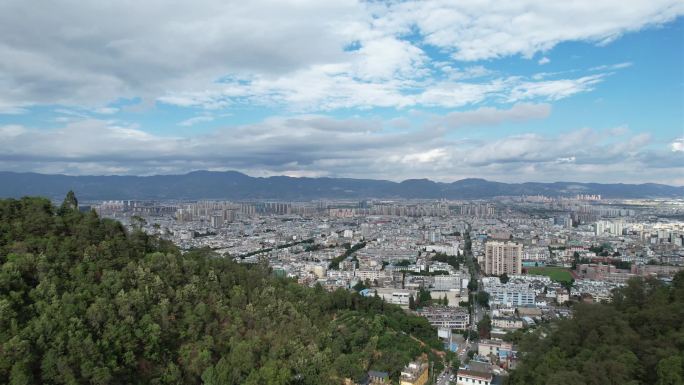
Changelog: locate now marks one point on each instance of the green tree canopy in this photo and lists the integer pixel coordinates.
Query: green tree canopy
(84, 301)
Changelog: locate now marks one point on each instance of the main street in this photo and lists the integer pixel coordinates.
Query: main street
(478, 312)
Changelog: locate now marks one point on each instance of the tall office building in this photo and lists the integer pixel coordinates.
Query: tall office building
(503, 257)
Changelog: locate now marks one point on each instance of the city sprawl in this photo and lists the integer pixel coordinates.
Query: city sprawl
(487, 268)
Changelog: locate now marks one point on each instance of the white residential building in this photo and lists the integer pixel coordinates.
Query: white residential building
(471, 377)
(511, 295)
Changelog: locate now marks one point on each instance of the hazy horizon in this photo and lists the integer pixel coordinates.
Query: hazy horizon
(332, 177)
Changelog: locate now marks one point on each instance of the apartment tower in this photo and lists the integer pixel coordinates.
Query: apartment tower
(503, 257)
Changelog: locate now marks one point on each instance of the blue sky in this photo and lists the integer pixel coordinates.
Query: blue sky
(511, 91)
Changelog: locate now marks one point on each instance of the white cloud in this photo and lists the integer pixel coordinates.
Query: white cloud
(308, 55)
(101, 52)
(677, 145)
(544, 60)
(319, 89)
(197, 119)
(486, 29)
(428, 156)
(553, 89)
(459, 94)
(611, 67)
(470, 72)
(387, 58)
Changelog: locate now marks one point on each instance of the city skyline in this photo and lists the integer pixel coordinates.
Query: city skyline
(394, 91)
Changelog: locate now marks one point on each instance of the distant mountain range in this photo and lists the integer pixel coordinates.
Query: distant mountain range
(238, 186)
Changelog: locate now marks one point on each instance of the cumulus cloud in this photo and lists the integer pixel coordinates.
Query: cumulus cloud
(476, 30)
(544, 60)
(310, 55)
(100, 52)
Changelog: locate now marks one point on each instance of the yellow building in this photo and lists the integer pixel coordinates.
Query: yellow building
(415, 373)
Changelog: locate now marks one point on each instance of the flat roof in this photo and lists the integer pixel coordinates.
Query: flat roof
(472, 373)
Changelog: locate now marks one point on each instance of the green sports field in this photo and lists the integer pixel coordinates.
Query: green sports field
(558, 274)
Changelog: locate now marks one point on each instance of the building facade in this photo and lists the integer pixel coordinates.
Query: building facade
(446, 317)
(511, 295)
(503, 257)
(471, 377)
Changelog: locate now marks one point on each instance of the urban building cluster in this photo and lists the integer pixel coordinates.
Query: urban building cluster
(478, 271)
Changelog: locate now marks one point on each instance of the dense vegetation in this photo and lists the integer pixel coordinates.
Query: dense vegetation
(83, 301)
(636, 339)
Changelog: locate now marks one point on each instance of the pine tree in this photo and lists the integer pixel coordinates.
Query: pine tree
(69, 204)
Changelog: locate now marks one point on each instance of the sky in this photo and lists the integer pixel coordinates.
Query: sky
(506, 90)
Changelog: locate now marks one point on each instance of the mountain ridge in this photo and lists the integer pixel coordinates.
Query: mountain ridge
(205, 184)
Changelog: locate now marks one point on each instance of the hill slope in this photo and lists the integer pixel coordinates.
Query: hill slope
(235, 185)
(83, 301)
(636, 339)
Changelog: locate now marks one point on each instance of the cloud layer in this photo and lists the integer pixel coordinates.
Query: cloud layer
(315, 145)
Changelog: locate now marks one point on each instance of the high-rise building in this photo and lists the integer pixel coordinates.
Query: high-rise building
(609, 227)
(503, 257)
(216, 221)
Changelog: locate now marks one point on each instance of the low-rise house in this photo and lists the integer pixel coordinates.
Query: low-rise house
(494, 348)
(470, 377)
(508, 323)
(396, 296)
(562, 297)
(415, 373)
(378, 378)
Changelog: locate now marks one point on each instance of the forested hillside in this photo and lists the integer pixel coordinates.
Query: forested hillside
(636, 339)
(82, 301)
